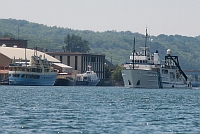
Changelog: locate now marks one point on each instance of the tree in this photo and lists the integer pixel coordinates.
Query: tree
(8, 35)
(117, 75)
(107, 72)
(76, 44)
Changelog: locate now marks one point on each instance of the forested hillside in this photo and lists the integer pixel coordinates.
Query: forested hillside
(115, 45)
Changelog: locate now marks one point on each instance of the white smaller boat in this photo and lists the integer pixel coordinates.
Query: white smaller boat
(89, 78)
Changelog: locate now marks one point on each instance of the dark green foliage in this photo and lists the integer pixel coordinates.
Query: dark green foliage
(107, 72)
(117, 75)
(76, 44)
(117, 45)
(8, 35)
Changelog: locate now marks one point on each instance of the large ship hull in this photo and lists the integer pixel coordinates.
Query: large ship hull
(140, 78)
(149, 79)
(32, 79)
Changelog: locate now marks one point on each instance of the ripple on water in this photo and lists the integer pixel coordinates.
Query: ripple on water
(98, 110)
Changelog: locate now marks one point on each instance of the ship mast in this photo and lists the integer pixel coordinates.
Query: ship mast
(25, 57)
(133, 52)
(145, 51)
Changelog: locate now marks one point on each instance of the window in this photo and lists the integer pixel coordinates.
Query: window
(16, 75)
(68, 60)
(93, 59)
(84, 59)
(61, 59)
(164, 71)
(76, 63)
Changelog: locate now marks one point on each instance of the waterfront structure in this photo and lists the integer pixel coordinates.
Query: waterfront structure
(80, 62)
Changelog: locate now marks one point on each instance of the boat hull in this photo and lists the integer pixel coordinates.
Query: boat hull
(140, 78)
(87, 83)
(64, 82)
(47, 79)
(149, 79)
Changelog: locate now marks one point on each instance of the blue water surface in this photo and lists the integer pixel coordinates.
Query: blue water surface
(98, 110)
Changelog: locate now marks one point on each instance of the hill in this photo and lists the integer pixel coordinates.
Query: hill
(117, 46)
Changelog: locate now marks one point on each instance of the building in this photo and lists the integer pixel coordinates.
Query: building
(80, 61)
(8, 42)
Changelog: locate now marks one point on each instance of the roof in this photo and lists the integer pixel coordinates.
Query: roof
(19, 53)
(62, 65)
(108, 63)
(74, 53)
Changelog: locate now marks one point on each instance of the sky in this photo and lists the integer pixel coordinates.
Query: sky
(168, 17)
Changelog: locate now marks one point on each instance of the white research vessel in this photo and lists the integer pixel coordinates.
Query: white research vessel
(146, 70)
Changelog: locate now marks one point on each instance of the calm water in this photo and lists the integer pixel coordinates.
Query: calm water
(97, 110)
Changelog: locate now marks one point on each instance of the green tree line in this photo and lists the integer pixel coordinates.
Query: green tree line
(76, 44)
(117, 45)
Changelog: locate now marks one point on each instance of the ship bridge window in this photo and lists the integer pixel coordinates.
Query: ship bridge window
(18, 69)
(35, 76)
(88, 72)
(22, 75)
(27, 76)
(16, 75)
(33, 70)
(11, 69)
(46, 70)
(172, 75)
(39, 70)
(84, 78)
(164, 71)
(23, 69)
